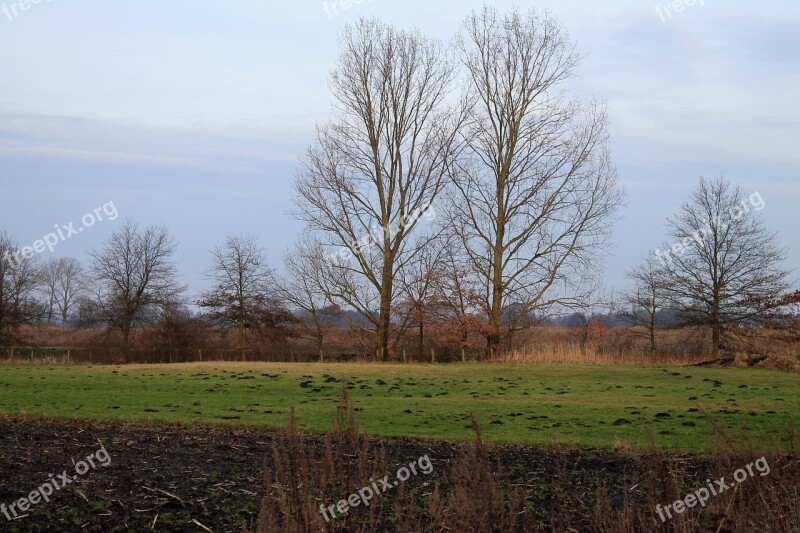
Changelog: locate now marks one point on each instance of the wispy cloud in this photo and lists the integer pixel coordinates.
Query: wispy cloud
(119, 158)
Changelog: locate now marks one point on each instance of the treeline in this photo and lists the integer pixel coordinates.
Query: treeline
(457, 189)
(131, 287)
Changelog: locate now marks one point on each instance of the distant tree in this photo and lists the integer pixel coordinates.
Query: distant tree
(179, 333)
(725, 270)
(348, 295)
(646, 297)
(418, 284)
(302, 289)
(593, 333)
(536, 188)
(87, 312)
(590, 321)
(134, 279)
(460, 306)
(20, 278)
(573, 320)
(244, 293)
(64, 282)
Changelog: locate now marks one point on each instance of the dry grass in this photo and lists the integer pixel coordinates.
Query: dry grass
(604, 346)
(475, 495)
(761, 502)
(575, 354)
(296, 483)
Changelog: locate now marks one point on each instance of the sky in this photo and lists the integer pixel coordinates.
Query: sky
(193, 115)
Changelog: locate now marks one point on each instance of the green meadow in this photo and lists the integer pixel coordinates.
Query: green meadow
(675, 408)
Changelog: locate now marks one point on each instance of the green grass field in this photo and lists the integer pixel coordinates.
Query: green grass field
(566, 405)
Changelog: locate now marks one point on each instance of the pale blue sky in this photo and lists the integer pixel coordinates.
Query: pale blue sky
(193, 114)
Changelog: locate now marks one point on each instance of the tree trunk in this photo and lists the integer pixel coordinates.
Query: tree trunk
(126, 336)
(496, 314)
(384, 320)
(715, 339)
(652, 343)
(715, 326)
(421, 340)
(241, 327)
(652, 338)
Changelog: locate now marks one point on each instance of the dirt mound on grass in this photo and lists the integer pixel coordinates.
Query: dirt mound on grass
(784, 363)
(776, 362)
(720, 362)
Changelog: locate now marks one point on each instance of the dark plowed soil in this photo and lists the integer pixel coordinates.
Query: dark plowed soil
(171, 478)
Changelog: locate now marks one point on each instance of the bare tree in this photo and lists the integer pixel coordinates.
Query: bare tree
(19, 280)
(536, 188)
(646, 297)
(64, 282)
(303, 289)
(179, 334)
(135, 278)
(380, 165)
(47, 288)
(725, 268)
(418, 283)
(458, 301)
(243, 294)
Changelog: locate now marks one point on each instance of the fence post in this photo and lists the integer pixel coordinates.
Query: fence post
(200, 353)
(404, 356)
(433, 355)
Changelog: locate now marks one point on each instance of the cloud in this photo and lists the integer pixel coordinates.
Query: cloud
(220, 148)
(119, 157)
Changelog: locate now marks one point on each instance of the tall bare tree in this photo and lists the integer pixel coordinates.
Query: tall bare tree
(536, 188)
(64, 282)
(646, 297)
(19, 280)
(725, 268)
(378, 166)
(244, 294)
(134, 278)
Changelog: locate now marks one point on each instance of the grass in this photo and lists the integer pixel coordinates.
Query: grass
(566, 405)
